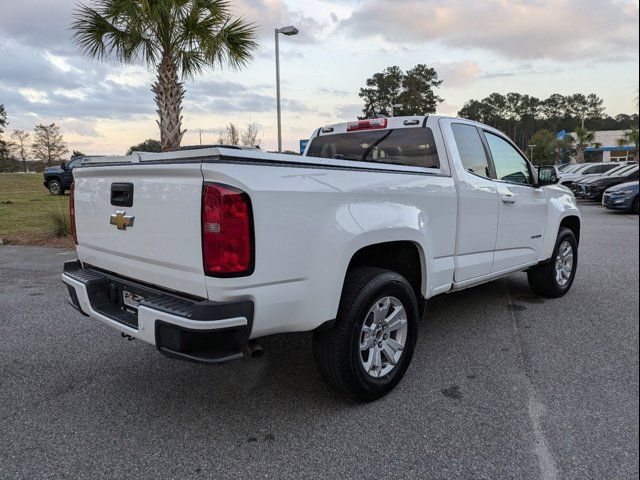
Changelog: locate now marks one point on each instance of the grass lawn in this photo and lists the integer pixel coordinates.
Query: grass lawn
(25, 210)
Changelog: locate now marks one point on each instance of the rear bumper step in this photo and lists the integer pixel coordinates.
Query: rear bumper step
(189, 329)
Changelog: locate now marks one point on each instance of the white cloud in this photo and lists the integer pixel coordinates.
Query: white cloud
(34, 96)
(445, 108)
(458, 74)
(349, 111)
(83, 128)
(555, 29)
(271, 14)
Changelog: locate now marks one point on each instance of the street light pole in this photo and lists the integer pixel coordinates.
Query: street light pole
(278, 91)
(290, 30)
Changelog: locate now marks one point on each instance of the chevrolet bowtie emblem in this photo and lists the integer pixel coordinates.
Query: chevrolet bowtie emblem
(121, 220)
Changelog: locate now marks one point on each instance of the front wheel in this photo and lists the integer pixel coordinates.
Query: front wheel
(369, 348)
(555, 277)
(55, 187)
(635, 206)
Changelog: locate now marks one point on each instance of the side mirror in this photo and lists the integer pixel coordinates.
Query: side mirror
(63, 165)
(547, 176)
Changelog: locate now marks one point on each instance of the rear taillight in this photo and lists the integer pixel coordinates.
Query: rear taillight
(227, 231)
(372, 124)
(72, 212)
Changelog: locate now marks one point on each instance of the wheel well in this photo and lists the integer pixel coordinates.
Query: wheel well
(400, 257)
(573, 224)
(53, 177)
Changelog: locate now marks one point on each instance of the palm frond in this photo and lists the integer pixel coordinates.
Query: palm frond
(195, 33)
(113, 28)
(220, 41)
(177, 37)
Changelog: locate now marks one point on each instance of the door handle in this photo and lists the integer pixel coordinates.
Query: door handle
(122, 194)
(508, 198)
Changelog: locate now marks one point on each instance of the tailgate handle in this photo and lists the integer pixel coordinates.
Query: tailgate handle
(122, 194)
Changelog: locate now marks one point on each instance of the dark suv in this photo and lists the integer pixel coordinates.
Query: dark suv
(58, 179)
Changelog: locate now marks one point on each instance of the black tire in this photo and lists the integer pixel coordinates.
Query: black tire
(542, 278)
(635, 207)
(337, 352)
(55, 187)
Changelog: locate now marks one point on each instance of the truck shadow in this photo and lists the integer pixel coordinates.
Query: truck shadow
(283, 386)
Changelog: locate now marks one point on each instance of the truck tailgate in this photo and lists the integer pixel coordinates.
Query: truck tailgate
(163, 245)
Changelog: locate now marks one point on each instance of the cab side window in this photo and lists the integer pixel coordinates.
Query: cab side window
(474, 159)
(509, 164)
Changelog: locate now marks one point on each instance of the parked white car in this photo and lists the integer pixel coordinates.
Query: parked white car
(585, 170)
(203, 252)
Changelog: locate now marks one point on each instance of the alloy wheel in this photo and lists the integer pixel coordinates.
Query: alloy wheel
(564, 263)
(383, 336)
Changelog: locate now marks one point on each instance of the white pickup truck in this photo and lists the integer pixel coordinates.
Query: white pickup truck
(202, 252)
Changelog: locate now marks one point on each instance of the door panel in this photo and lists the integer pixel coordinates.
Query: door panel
(477, 225)
(521, 225)
(522, 208)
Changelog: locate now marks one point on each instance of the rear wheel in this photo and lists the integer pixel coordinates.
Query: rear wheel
(55, 187)
(555, 277)
(369, 348)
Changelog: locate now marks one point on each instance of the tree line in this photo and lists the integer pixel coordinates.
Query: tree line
(520, 115)
(529, 121)
(231, 134)
(46, 143)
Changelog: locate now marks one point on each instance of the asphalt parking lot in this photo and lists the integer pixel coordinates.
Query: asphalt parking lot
(503, 385)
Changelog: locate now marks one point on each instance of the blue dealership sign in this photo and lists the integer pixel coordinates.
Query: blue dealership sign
(303, 146)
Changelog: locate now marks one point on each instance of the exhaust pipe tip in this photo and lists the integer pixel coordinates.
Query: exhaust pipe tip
(254, 349)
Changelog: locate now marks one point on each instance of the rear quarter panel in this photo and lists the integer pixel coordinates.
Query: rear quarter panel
(308, 224)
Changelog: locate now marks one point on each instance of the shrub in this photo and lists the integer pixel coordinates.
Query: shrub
(60, 221)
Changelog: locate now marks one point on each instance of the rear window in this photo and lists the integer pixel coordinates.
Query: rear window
(414, 147)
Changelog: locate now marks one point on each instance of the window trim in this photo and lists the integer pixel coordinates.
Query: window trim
(492, 174)
(487, 152)
(532, 173)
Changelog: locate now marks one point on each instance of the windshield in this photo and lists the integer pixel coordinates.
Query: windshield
(583, 167)
(565, 168)
(405, 146)
(614, 171)
(626, 170)
(573, 168)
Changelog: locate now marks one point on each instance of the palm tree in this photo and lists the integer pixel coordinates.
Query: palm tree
(178, 38)
(630, 137)
(584, 138)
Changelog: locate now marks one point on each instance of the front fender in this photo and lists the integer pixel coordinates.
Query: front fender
(561, 204)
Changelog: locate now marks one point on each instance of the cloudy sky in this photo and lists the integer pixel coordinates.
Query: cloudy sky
(537, 47)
